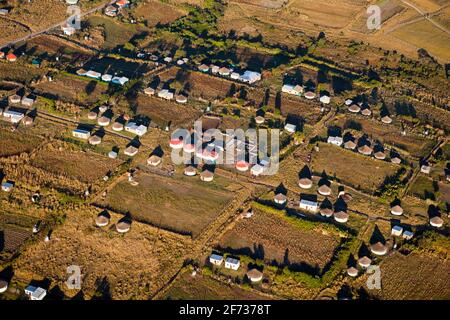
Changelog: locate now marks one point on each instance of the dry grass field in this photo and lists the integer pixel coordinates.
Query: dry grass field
(260, 236)
(67, 162)
(48, 45)
(154, 11)
(351, 167)
(11, 30)
(130, 266)
(415, 145)
(72, 89)
(19, 72)
(414, 277)
(200, 85)
(183, 204)
(17, 142)
(162, 111)
(424, 34)
(202, 287)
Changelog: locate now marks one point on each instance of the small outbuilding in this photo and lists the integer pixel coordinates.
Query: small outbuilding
(242, 166)
(94, 140)
(3, 286)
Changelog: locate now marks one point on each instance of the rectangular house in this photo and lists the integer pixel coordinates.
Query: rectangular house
(81, 134)
(216, 259)
(309, 205)
(232, 263)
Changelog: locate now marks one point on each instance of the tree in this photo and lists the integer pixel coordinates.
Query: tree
(278, 100)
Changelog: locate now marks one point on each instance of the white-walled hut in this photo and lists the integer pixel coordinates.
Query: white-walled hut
(326, 212)
(305, 183)
(378, 249)
(397, 210)
(94, 140)
(14, 99)
(190, 171)
(154, 160)
(354, 108)
(280, 199)
(364, 262)
(242, 166)
(123, 226)
(380, 155)
(259, 120)
(117, 126)
(365, 150)
(436, 222)
(102, 220)
(206, 176)
(254, 275)
(3, 286)
(352, 272)
(341, 216)
(92, 115)
(386, 120)
(103, 121)
(324, 190)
